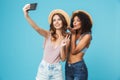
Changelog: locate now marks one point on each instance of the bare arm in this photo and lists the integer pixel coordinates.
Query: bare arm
(63, 53)
(41, 31)
(81, 45)
(65, 46)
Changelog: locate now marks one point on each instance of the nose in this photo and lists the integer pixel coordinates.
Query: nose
(74, 23)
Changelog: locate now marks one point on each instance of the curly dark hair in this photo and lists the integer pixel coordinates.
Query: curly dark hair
(64, 27)
(85, 20)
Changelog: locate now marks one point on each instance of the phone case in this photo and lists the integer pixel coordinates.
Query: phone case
(33, 6)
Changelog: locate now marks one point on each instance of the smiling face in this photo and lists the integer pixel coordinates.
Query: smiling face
(57, 22)
(76, 22)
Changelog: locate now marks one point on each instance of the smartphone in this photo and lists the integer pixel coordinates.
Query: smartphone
(33, 6)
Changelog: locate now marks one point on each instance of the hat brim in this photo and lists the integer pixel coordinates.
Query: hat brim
(61, 12)
(85, 13)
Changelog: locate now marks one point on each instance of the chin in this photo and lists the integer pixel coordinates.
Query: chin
(58, 28)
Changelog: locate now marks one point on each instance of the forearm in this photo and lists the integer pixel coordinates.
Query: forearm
(73, 43)
(63, 53)
(32, 23)
(35, 26)
(84, 42)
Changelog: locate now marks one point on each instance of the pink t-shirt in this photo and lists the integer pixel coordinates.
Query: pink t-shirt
(51, 53)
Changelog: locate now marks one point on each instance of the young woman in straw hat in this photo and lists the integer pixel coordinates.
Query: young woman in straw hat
(55, 46)
(81, 25)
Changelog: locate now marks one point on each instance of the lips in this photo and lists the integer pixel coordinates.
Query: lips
(75, 25)
(57, 25)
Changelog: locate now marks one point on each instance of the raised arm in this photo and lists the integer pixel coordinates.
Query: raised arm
(41, 31)
(81, 45)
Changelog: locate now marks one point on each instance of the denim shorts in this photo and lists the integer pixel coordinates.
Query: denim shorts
(48, 71)
(76, 71)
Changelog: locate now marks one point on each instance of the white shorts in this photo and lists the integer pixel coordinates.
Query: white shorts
(48, 71)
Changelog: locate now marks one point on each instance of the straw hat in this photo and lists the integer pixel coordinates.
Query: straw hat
(61, 12)
(77, 11)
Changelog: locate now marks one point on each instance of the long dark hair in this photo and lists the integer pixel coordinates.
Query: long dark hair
(64, 27)
(85, 19)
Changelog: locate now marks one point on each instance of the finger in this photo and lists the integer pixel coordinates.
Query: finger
(26, 7)
(73, 29)
(68, 27)
(66, 37)
(69, 37)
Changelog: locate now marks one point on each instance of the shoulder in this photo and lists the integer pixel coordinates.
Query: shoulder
(86, 36)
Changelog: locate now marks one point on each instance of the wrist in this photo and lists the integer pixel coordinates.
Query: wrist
(26, 15)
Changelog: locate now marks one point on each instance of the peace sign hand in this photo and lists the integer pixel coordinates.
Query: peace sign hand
(66, 40)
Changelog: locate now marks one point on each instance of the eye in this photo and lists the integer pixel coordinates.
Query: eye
(59, 19)
(54, 20)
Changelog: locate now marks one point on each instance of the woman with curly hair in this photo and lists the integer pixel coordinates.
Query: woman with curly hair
(81, 24)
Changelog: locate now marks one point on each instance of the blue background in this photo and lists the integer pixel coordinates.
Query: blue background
(21, 47)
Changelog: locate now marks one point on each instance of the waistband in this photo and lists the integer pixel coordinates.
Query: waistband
(49, 64)
(82, 61)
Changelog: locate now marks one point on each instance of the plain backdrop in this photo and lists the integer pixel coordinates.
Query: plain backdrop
(21, 47)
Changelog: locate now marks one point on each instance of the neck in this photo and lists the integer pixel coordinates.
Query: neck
(79, 31)
(78, 34)
(59, 33)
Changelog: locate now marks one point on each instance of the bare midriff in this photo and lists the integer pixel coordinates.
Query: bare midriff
(75, 58)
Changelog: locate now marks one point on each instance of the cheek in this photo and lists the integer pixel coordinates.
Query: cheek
(61, 23)
(53, 23)
(78, 23)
